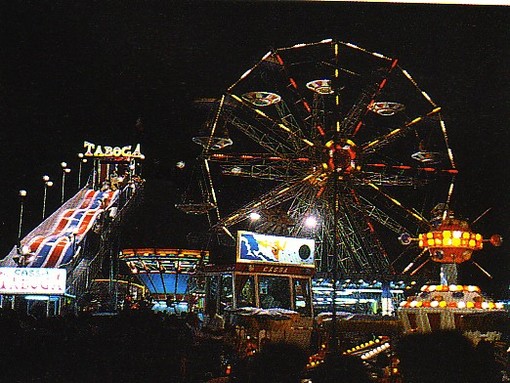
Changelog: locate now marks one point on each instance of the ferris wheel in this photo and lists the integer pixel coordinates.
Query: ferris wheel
(330, 141)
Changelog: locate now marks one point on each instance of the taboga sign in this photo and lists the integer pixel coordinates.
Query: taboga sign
(93, 150)
(14, 280)
(256, 248)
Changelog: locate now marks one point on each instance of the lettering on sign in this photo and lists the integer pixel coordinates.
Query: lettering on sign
(32, 281)
(93, 150)
(275, 269)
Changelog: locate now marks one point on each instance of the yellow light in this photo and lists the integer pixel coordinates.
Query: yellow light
(472, 243)
(470, 305)
(430, 242)
(429, 235)
(447, 233)
(478, 237)
(447, 242)
(420, 243)
(465, 235)
(442, 304)
(438, 241)
(456, 242)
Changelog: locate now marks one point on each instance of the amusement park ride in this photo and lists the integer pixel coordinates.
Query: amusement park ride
(59, 259)
(332, 142)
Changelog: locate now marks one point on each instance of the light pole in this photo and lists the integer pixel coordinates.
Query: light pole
(65, 170)
(47, 184)
(82, 161)
(22, 194)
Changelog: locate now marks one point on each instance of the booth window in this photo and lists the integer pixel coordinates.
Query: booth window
(274, 292)
(226, 298)
(245, 290)
(212, 291)
(302, 301)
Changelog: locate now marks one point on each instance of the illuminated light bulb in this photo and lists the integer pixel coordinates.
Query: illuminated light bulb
(456, 242)
(254, 216)
(470, 304)
(310, 222)
(447, 234)
(499, 305)
(457, 234)
(452, 287)
(430, 235)
(471, 288)
(465, 235)
(430, 242)
(402, 304)
(442, 304)
(478, 237)
(432, 288)
(434, 304)
(485, 305)
(461, 305)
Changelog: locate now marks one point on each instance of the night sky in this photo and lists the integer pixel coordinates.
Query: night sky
(75, 71)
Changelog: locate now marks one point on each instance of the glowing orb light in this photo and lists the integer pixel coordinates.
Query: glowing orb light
(453, 241)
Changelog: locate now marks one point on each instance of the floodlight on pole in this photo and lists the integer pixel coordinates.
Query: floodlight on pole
(82, 160)
(47, 184)
(65, 170)
(22, 194)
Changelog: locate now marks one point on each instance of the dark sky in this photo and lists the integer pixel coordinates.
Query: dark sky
(87, 70)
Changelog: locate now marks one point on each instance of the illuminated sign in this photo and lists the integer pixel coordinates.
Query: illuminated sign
(15, 280)
(94, 150)
(254, 248)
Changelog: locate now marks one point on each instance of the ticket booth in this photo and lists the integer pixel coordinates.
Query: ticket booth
(266, 294)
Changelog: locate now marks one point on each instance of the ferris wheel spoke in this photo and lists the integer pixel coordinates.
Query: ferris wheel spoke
(381, 142)
(411, 212)
(358, 236)
(261, 166)
(378, 215)
(291, 137)
(353, 121)
(276, 196)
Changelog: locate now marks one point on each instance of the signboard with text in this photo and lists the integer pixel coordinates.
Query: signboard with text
(255, 248)
(14, 280)
(98, 151)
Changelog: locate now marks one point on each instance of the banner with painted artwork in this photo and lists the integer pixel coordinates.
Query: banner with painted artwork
(254, 247)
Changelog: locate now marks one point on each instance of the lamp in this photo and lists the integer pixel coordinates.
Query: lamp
(22, 193)
(82, 160)
(65, 170)
(47, 184)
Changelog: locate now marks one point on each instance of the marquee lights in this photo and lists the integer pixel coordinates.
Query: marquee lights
(93, 150)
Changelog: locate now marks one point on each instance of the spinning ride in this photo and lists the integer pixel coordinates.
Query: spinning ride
(329, 141)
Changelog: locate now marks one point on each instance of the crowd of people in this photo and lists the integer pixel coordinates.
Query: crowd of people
(142, 346)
